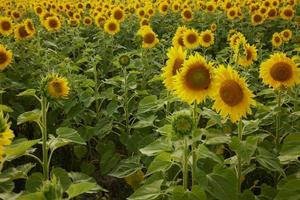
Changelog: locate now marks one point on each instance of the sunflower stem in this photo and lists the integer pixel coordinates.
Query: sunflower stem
(194, 146)
(277, 137)
(96, 89)
(239, 164)
(126, 110)
(44, 137)
(185, 164)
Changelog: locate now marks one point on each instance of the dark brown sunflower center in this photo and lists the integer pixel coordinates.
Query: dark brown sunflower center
(281, 71)
(198, 77)
(187, 14)
(210, 8)
(231, 93)
(112, 26)
(22, 32)
(30, 26)
(57, 87)
(164, 8)
(16, 15)
(87, 21)
(191, 38)
(232, 13)
(149, 38)
(118, 15)
(39, 10)
(277, 39)
(53, 23)
(142, 13)
(177, 65)
(3, 57)
(180, 41)
(288, 13)
(176, 7)
(207, 38)
(249, 54)
(286, 34)
(257, 18)
(272, 13)
(6, 25)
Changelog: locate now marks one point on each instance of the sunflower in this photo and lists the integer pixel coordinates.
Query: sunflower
(176, 57)
(187, 14)
(272, 13)
(207, 38)
(148, 36)
(73, 22)
(112, 26)
(5, 57)
(236, 39)
(232, 13)
(286, 35)
(287, 13)
(52, 24)
(231, 95)
(21, 32)
(177, 40)
(118, 14)
(6, 26)
(257, 19)
(57, 87)
(195, 80)
(279, 70)
(6, 135)
(191, 39)
(276, 40)
(175, 6)
(213, 27)
(163, 7)
(87, 21)
(211, 6)
(29, 26)
(16, 15)
(100, 20)
(248, 56)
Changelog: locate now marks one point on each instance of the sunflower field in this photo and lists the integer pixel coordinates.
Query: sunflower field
(150, 99)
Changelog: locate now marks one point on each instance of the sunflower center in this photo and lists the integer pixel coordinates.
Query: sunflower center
(6, 25)
(180, 41)
(187, 14)
(53, 23)
(16, 15)
(277, 39)
(210, 8)
(281, 71)
(164, 8)
(288, 13)
(249, 54)
(206, 38)
(191, 38)
(112, 26)
(177, 65)
(232, 13)
(57, 87)
(272, 13)
(118, 15)
(149, 38)
(198, 77)
(87, 21)
(231, 93)
(257, 18)
(3, 57)
(22, 31)
(39, 10)
(286, 34)
(30, 26)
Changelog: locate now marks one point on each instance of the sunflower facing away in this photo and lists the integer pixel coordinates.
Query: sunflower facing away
(57, 87)
(248, 56)
(195, 80)
(232, 97)
(6, 135)
(5, 58)
(207, 38)
(177, 40)
(191, 39)
(176, 57)
(29, 26)
(6, 26)
(279, 71)
(112, 26)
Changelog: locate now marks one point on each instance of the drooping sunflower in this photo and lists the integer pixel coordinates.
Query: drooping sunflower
(287, 13)
(191, 39)
(52, 24)
(279, 71)
(6, 135)
(195, 80)
(207, 38)
(149, 37)
(6, 26)
(248, 56)
(187, 14)
(276, 40)
(232, 97)
(112, 26)
(176, 58)
(21, 32)
(5, 57)
(177, 40)
(57, 87)
(286, 35)
(100, 20)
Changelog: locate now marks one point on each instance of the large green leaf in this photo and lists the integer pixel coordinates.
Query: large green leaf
(290, 150)
(13, 173)
(197, 193)
(245, 149)
(69, 134)
(76, 189)
(28, 92)
(156, 147)
(18, 149)
(204, 152)
(127, 167)
(31, 116)
(162, 162)
(34, 182)
(289, 189)
(150, 191)
(31, 196)
(268, 160)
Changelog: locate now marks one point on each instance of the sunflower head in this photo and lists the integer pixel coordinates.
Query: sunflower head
(52, 24)
(182, 124)
(149, 37)
(207, 38)
(286, 35)
(54, 86)
(279, 71)
(124, 60)
(6, 134)
(187, 14)
(276, 40)
(287, 13)
(248, 55)
(191, 39)
(6, 26)
(112, 26)
(5, 58)
(177, 40)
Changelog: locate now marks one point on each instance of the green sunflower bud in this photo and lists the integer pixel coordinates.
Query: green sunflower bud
(182, 123)
(52, 189)
(124, 60)
(54, 86)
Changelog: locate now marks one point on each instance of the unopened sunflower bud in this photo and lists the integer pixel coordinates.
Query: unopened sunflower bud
(124, 60)
(182, 123)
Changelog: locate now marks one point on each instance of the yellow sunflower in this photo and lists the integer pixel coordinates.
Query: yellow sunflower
(286, 35)
(207, 38)
(52, 24)
(87, 21)
(57, 87)
(187, 14)
(6, 135)
(249, 55)
(191, 39)
(175, 6)
(231, 95)
(232, 13)
(29, 26)
(272, 13)
(6, 26)
(163, 8)
(236, 39)
(213, 27)
(112, 26)
(5, 58)
(279, 71)
(195, 80)
(100, 20)
(149, 37)
(276, 40)
(118, 14)
(21, 32)
(287, 13)
(177, 40)
(257, 19)
(176, 57)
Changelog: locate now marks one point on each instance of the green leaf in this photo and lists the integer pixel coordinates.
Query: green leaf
(250, 126)
(70, 135)
(28, 92)
(127, 167)
(5, 108)
(19, 149)
(63, 177)
(268, 160)
(10, 195)
(162, 162)
(289, 189)
(245, 149)
(150, 191)
(76, 189)
(290, 150)
(31, 116)
(146, 122)
(204, 152)
(148, 103)
(156, 147)
(35, 196)
(34, 182)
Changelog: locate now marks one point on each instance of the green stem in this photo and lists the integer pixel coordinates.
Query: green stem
(194, 146)
(239, 165)
(44, 138)
(96, 89)
(185, 164)
(277, 137)
(126, 110)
